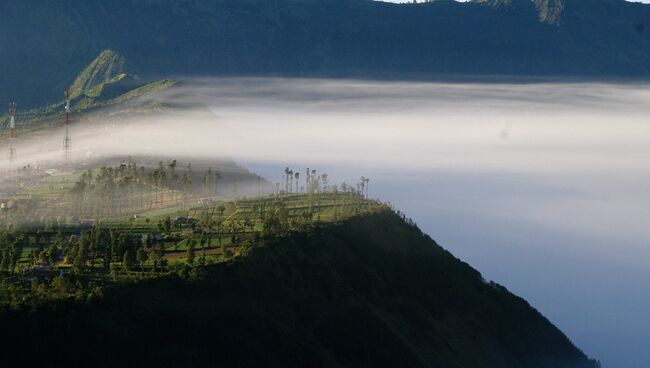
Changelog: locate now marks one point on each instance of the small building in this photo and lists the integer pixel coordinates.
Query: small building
(184, 220)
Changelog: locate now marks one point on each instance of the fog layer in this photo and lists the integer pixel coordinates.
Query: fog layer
(544, 188)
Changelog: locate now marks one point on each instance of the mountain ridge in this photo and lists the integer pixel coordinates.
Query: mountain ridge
(107, 68)
(372, 290)
(599, 39)
(105, 82)
(549, 11)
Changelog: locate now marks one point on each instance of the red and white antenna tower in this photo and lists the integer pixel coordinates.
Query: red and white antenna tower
(67, 142)
(12, 131)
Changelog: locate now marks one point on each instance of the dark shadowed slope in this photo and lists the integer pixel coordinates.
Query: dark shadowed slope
(44, 44)
(373, 291)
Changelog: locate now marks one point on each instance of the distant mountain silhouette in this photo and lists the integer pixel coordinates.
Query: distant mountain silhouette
(44, 44)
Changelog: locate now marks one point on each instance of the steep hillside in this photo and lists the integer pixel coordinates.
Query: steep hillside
(105, 82)
(372, 291)
(46, 43)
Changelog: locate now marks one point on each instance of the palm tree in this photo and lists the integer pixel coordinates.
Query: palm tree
(162, 177)
(286, 179)
(324, 177)
(215, 182)
(207, 181)
(367, 181)
(186, 186)
(174, 176)
(362, 184)
(290, 179)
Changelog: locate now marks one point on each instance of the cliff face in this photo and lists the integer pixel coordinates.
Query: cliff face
(373, 291)
(550, 11)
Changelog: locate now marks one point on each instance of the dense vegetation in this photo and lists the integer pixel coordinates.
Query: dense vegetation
(370, 291)
(313, 274)
(358, 38)
(129, 222)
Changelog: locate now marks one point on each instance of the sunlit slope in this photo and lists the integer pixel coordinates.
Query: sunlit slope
(105, 82)
(107, 68)
(372, 291)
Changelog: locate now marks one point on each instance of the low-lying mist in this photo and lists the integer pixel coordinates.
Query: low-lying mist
(538, 128)
(543, 187)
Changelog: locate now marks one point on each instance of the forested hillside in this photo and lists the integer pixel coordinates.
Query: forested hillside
(370, 291)
(44, 44)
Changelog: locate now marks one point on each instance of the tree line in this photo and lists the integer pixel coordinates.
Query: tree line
(316, 183)
(126, 188)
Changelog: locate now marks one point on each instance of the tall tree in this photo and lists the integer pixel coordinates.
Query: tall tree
(141, 256)
(127, 260)
(173, 176)
(367, 181)
(290, 180)
(162, 178)
(83, 246)
(286, 179)
(190, 250)
(234, 188)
